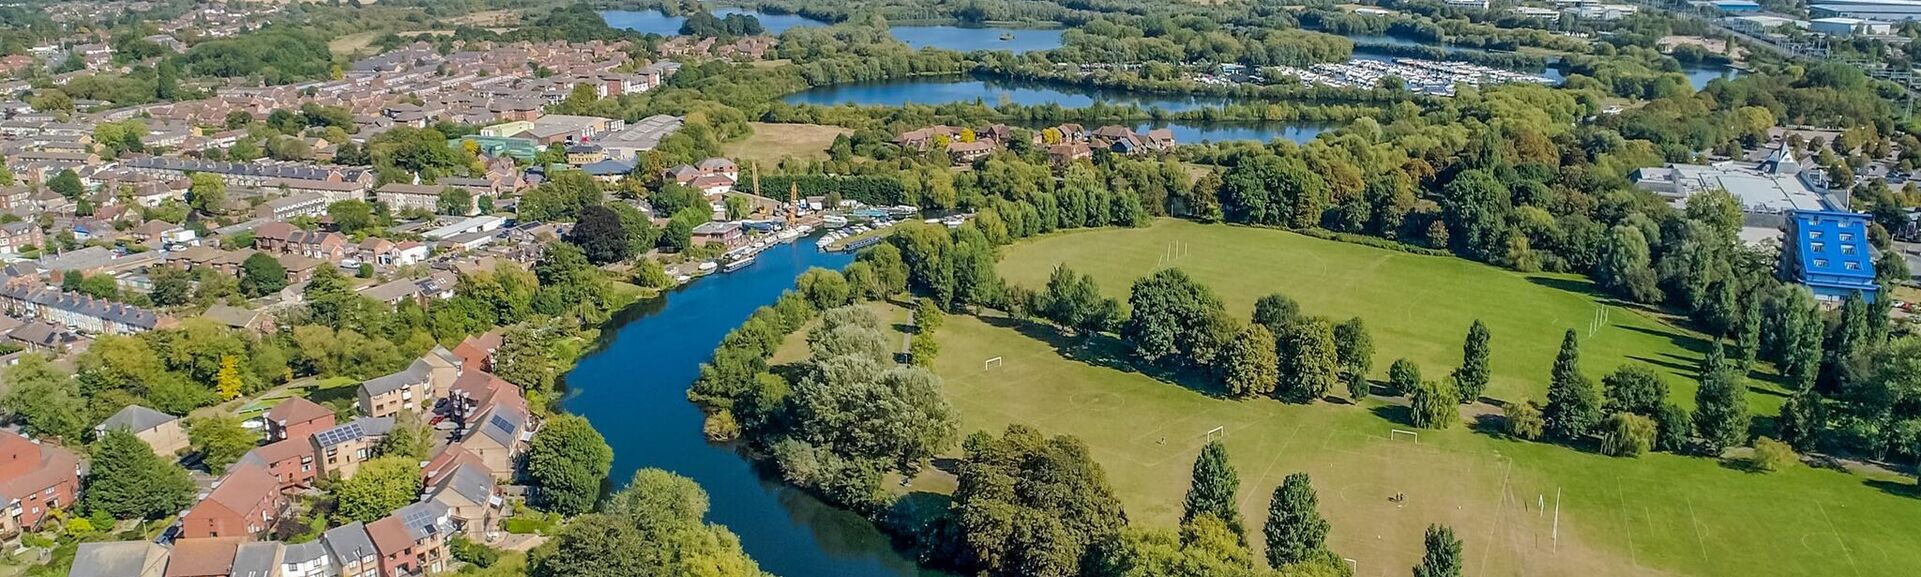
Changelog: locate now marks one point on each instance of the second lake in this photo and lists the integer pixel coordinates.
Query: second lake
(958, 38)
(947, 90)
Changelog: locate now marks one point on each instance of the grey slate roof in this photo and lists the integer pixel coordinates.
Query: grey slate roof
(350, 542)
(425, 519)
(416, 373)
(84, 305)
(256, 559)
(117, 559)
(360, 427)
(254, 169)
(136, 418)
(504, 425)
(472, 482)
(303, 553)
(446, 355)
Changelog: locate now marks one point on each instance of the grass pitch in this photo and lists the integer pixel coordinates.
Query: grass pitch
(1415, 306)
(771, 142)
(1524, 509)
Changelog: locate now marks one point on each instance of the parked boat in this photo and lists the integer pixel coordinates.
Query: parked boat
(833, 221)
(738, 263)
(861, 243)
(706, 268)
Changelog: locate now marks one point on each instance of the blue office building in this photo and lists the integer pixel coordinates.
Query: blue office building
(1829, 252)
(1736, 6)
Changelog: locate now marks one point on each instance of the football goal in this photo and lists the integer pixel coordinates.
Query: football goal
(1403, 435)
(990, 363)
(1214, 434)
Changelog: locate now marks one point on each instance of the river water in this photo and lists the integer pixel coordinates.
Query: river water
(634, 390)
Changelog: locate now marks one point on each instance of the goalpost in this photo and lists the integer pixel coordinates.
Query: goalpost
(990, 363)
(1214, 434)
(1599, 321)
(1398, 434)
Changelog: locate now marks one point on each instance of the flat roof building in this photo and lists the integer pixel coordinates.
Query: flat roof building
(1828, 251)
(1883, 10)
(1776, 185)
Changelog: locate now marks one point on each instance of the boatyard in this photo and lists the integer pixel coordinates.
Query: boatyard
(1430, 77)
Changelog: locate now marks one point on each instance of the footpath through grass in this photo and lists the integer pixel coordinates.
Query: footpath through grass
(1524, 509)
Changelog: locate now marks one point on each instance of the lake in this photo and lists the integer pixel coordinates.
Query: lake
(634, 390)
(1700, 74)
(993, 92)
(958, 38)
(964, 39)
(656, 22)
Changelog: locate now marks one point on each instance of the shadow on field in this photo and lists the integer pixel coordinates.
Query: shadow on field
(1584, 287)
(1896, 488)
(1668, 361)
(1102, 351)
(1397, 414)
(1692, 343)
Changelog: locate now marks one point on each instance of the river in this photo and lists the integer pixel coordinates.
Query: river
(957, 38)
(634, 390)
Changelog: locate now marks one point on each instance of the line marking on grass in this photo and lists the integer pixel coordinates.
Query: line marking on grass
(1626, 525)
(1499, 511)
(1695, 522)
(1838, 538)
(1261, 481)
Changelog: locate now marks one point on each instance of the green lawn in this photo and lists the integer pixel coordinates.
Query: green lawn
(1656, 515)
(1418, 307)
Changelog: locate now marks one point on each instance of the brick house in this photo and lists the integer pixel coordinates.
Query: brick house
(246, 503)
(297, 418)
(35, 479)
(290, 461)
(407, 390)
(413, 540)
(341, 450)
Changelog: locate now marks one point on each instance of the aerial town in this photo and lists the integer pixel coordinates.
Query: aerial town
(903, 287)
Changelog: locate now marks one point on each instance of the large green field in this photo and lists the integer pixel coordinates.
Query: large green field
(1523, 508)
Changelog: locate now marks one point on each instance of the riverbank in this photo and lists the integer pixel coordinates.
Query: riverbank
(633, 386)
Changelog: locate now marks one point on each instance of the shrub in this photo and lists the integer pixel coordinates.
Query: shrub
(477, 554)
(1524, 420)
(1626, 434)
(1771, 455)
(1433, 405)
(1675, 426)
(721, 426)
(1403, 377)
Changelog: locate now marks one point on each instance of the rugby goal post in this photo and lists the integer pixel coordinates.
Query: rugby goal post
(990, 363)
(1401, 434)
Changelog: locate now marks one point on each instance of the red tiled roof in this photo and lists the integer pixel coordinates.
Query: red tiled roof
(49, 465)
(298, 410)
(244, 487)
(389, 535)
(202, 557)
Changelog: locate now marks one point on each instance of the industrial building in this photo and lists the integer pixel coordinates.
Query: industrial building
(1736, 6)
(1882, 10)
(1848, 26)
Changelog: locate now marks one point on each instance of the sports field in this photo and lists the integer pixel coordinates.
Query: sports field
(1416, 306)
(1523, 508)
(771, 142)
